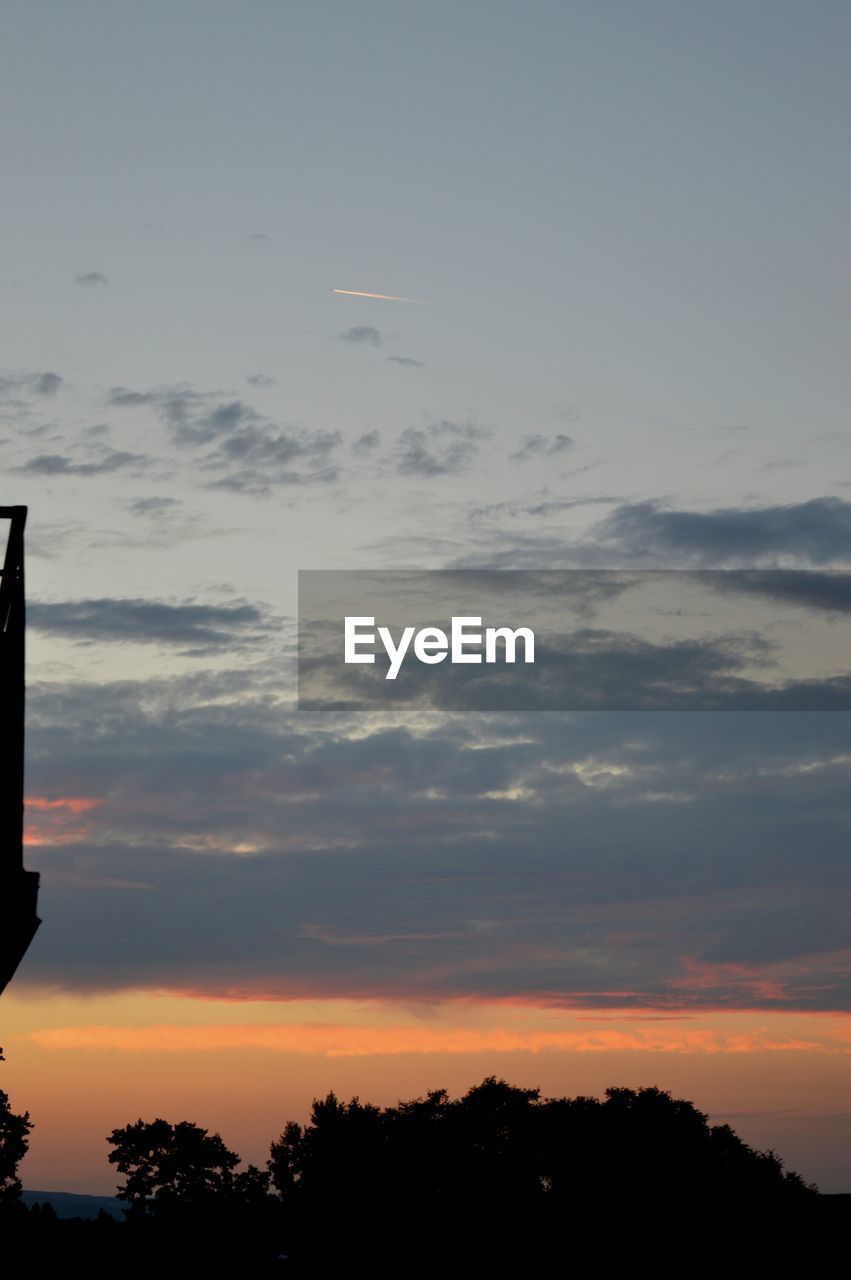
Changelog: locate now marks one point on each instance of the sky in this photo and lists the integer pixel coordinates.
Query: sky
(623, 232)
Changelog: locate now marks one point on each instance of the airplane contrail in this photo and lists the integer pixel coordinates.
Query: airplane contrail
(383, 297)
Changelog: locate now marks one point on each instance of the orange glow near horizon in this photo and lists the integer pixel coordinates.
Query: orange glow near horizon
(713, 1034)
(83, 1065)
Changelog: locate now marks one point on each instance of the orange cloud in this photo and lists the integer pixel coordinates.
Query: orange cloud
(339, 1040)
(57, 822)
(70, 804)
(767, 983)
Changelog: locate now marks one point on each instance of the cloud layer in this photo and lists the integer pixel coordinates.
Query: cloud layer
(194, 628)
(815, 532)
(659, 861)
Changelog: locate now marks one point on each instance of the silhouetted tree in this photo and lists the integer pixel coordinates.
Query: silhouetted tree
(177, 1168)
(14, 1142)
(506, 1175)
(499, 1181)
(187, 1199)
(334, 1169)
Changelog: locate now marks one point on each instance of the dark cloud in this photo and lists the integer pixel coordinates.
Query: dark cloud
(366, 443)
(815, 532)
(651, 535)
(42, 384)
(121, 396)
(256, 454)
(405, 361)
(539, 446)
(362, 333)
(823, 590)
(250, 453)
(442, 448)
(91, 279)
(47, 383)
(599, 860)
(108, 460)
(192, 627)
(191, 425)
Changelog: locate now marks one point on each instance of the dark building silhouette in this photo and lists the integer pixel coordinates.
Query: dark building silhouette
(18, 888)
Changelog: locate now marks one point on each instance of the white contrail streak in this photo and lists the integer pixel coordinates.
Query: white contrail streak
(383, 297)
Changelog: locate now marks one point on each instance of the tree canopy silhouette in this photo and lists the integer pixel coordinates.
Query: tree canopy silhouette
(187, 1199)
(501, 1180)
(175, 1169)
(504, 1171)
(14, 1143)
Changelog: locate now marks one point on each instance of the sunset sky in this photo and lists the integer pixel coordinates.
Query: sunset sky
(611, 243)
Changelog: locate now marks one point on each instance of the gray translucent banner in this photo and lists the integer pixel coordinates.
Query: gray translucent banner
(599, 640)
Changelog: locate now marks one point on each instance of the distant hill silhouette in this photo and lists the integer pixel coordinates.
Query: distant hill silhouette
(68, 1204)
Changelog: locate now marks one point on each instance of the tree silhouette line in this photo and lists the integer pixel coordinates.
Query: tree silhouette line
(501, 1177)
(14, 1144)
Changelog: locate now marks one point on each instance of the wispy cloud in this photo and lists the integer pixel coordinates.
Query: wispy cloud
(107, 460)
(122, 397)
(41, 384)
(440, 449)
(362, 334)
(154, 506)
(538, 446)
(237, 447)
(47, 384)
(367, 443)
